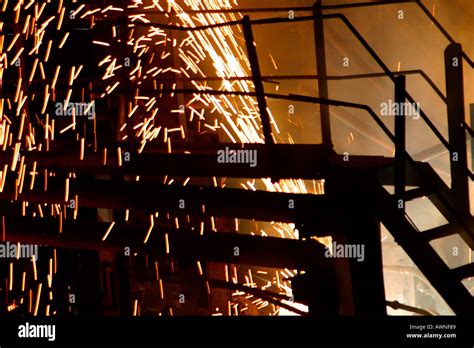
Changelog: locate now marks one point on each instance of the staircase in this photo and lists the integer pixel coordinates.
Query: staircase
(451, 202)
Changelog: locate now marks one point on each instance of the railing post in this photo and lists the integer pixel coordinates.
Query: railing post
(400, 141)
(322, 73)
(457, 135)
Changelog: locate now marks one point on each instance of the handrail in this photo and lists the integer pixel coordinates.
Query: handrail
(469, 129)
(270, 78)
(401, 72)
(443, 31)
(312, 18)
(438, 25)
(364, 4)
(371, 51)
(349, 25)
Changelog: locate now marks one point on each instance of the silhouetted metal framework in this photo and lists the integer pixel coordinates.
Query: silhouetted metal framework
(355, 288)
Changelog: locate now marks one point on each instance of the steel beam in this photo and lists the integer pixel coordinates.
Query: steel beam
(457, 135)
(302, 163)
(323, 90)
(150, 197)
(400, 140)
(211, 246)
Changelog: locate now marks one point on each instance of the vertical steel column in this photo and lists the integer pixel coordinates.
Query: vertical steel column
(257, 79)
(367, 275)
(322, 73)
(457, 135)
(400, 139)
(471, 111)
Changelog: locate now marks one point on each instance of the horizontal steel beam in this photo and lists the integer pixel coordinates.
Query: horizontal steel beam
(211, 246)
(151, 197)
(288, 161)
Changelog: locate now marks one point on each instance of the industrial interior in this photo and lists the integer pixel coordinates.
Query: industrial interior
(236, 158)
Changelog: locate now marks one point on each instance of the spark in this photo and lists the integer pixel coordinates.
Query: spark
(112, 224)
(152, 223)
